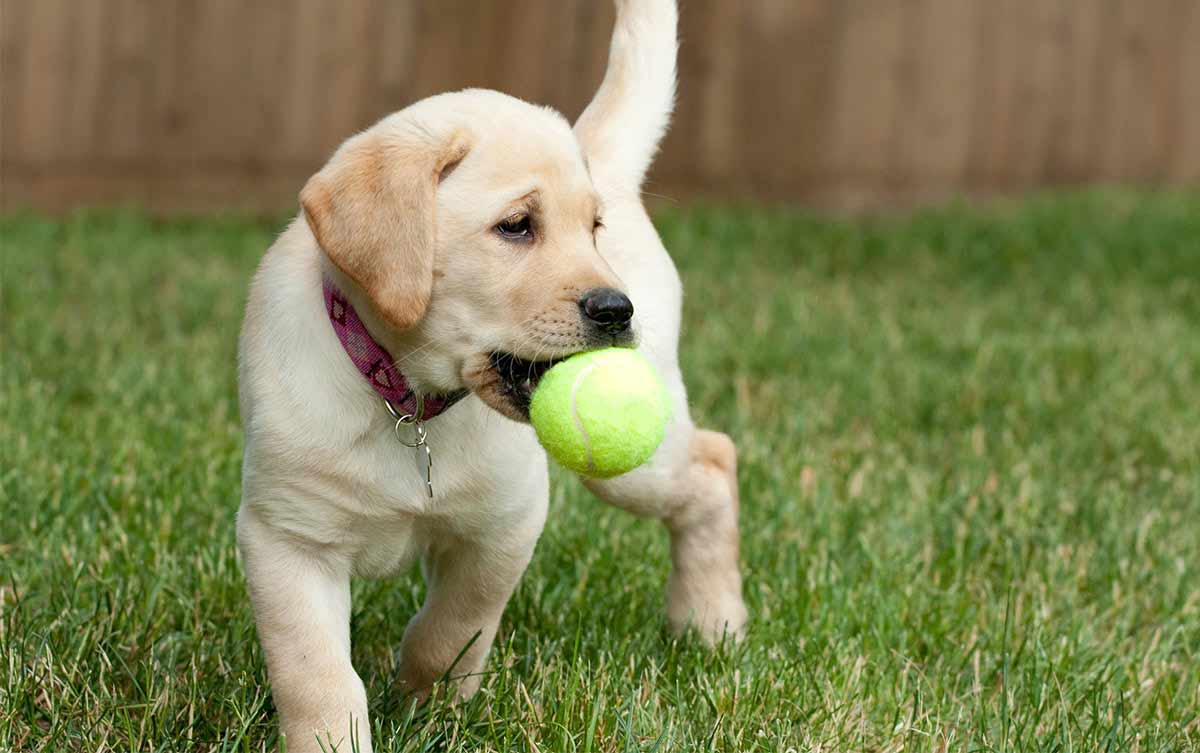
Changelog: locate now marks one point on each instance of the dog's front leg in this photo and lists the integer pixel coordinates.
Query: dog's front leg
(694, 492)
(302, 609)
(469, 583)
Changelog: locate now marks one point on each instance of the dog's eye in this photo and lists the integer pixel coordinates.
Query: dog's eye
(597, 225)
(517, 227)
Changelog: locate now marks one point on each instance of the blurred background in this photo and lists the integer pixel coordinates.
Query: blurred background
(200, 105)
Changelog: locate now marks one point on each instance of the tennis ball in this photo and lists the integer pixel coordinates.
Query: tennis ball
(601, 413)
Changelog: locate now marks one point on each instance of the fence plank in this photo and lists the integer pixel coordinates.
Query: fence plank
(792, 156)
(936, 79)
(45, 90)
(1139, 93)
(1075, 125)
(393, 47)
(122, 128)
(1183, 156)
(1019, 80)
(13, 61)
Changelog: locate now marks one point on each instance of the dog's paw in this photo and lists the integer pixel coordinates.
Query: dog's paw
(714, 616)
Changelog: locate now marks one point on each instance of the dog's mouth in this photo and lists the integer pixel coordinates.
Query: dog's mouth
(517, 378)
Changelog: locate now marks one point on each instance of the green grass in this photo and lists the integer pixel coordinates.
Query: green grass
(970, 446)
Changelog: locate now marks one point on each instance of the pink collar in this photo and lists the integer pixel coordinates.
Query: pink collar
(375, 363)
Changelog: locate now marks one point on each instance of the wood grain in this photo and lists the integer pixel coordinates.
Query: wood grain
(224, 104)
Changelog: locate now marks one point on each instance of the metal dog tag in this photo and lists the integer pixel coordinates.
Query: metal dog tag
(418, 443)
(425, 466)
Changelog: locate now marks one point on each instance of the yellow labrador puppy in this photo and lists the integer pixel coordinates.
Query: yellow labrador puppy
(444, 259)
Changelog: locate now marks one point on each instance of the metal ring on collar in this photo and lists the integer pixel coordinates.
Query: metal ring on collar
(405, 419)
(418, 431)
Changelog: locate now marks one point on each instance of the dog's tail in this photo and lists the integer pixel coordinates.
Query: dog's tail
(621, 128)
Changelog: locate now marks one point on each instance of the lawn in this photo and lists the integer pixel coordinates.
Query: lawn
(970, 475)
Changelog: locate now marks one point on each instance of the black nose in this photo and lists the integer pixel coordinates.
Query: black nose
(610, 309)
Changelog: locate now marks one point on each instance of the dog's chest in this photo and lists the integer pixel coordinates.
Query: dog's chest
(388, 547)
(345, 480)
(484, 478)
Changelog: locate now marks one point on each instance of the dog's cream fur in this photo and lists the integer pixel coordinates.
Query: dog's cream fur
(402, 219)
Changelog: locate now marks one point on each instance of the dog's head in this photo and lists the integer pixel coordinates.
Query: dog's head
(468, 222)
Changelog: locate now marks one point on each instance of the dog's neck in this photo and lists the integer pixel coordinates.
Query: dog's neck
(376, 364)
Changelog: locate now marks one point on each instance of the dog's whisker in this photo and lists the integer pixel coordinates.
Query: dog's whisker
(664, 197)
(405, 358)
(541, 349)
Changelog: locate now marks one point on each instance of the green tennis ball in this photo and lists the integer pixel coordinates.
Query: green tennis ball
(601, 413)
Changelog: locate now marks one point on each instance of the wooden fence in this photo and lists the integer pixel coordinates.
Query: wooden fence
(202, 104)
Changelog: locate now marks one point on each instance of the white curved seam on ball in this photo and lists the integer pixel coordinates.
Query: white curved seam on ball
(587, 441)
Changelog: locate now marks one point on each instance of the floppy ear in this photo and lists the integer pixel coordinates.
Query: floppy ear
(372, 212)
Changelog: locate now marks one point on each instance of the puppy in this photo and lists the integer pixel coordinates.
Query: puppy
(444, 258)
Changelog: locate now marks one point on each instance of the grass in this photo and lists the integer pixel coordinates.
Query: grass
(970, 447)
